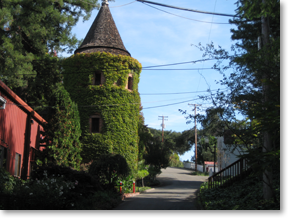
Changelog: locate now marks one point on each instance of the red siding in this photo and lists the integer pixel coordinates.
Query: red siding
(13, 121)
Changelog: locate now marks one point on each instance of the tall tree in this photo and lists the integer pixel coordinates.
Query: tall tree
(252, 75)
(31, 28)
(62, 132)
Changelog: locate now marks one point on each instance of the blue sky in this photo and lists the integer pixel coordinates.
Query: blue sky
(154, 38)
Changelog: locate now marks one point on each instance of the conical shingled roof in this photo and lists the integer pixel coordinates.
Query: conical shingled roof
(103, 35)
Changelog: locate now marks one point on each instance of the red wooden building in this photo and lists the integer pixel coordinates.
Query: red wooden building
(20, 128)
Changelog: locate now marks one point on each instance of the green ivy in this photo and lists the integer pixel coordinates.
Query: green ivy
(62, 132)
(118, 107)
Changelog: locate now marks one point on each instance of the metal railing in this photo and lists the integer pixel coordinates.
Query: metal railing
(234, 172)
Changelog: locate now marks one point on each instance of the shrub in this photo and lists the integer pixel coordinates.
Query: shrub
(62, 132)
(153, 172)
(86, 182)
(244, 195)
(127, 184)
(7, 182)
(45, 194)
(109, 167)
(142, 174)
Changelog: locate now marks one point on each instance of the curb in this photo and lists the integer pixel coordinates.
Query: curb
(148, 190)
(128, 195)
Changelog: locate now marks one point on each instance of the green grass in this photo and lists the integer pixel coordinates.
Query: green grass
(142, 189)
(197, 173)
(137, 189)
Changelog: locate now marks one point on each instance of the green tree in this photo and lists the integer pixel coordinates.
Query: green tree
(62, 132)
(174, 160)
(252, 75)
(178, 142)
(31, 28)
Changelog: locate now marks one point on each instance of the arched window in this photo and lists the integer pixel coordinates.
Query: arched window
(130, 82)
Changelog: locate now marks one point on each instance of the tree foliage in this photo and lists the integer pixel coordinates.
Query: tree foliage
(251, 73)
(31, 28)
(108, 167)
(62, 132)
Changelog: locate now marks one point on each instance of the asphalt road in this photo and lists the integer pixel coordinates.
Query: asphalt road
(176, 192)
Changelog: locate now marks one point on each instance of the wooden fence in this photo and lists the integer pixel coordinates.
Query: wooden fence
(234, 172)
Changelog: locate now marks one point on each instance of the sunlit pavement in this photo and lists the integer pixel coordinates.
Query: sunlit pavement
(176, 192)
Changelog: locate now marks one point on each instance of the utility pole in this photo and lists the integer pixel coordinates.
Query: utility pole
(195, 135)
(267, 175)
(164, 118)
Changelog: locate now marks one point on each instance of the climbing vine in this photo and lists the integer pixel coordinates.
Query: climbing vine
(62, 132)
(117, 106)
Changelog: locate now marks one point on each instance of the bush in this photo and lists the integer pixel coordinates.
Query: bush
(153, 172)
(45, 194)
(127, 184)
(7, 182)
(109, 167)
(243, 195)
(198, 173)
(86, 182)
(142, 174)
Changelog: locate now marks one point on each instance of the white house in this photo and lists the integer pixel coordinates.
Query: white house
(226, 155)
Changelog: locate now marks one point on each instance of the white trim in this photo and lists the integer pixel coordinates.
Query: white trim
(2, 102)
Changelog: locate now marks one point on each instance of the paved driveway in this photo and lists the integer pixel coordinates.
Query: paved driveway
(176, 192)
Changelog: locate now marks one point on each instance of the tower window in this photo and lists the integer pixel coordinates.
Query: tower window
(130, 82)
(98, 78)
(95, 124)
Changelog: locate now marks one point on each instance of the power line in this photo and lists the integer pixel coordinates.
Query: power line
(183, 16)
(92, 71)
(207, 43)
(108, 105)
(182, 69)
(180, 92)
(170, 104)
(173, 64)
(122, 5)
(187, 9)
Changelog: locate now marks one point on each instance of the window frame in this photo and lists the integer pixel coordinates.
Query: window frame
(130, 82)
(2, 102)
(102, 78)
(91, 123)
(17, 165)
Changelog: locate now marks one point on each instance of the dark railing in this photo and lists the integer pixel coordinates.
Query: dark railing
(234, 172)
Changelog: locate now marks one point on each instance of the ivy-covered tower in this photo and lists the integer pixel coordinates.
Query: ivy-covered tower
(102, 78)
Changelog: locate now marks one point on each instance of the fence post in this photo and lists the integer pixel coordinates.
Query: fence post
(133, 186)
